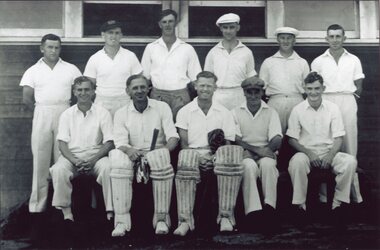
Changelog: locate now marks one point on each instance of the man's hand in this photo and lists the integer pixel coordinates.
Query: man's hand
(314, 160)
(266, 152)
(133, 154)
(326, 161)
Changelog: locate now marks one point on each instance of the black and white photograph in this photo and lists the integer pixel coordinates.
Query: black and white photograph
(184, 124)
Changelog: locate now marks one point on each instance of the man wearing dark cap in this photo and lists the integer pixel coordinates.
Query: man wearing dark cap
(110, 67)
(231, 61)
(258, 131)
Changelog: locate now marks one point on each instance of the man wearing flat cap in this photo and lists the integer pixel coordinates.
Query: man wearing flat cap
(283, 74)
(110, 67)
(258, 131)
(231, 61)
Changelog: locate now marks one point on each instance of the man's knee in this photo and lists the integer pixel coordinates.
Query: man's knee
(61, 168)
(268, 164)
(119, 160)
(250, 167)
(299, 162)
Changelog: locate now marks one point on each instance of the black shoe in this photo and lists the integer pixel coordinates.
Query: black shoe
(271, 222)
(340, 217)
(299, 216)
(253, 222)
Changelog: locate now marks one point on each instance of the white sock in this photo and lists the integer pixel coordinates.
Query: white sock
(303, 206)
(109, 215)
(67, 214)
(336, 203)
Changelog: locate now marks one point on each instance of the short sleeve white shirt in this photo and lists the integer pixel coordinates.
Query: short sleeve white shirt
(111, 74)
(51, 86)
(338, 77)
(316, 129)
(259, 129)
(170, 70)
(198, 125)
(85, 132)
(230, 68)
(284, 75)
(135, 129)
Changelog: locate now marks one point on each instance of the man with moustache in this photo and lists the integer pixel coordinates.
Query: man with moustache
(343, 76)
(170, 64)
(195, 121)
(47, 91)
(258, 131)
(133, 132)
(231, 61)
(110, 67)
(84, 138)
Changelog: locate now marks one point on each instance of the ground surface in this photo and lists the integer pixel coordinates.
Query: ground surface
(362, 232)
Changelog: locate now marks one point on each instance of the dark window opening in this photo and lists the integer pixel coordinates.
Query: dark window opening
(202, 21)
(137, 19)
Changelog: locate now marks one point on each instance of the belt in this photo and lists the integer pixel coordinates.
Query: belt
(52, 103)
(234, 87)
(338, 93)
(286, 95)
(169, 91)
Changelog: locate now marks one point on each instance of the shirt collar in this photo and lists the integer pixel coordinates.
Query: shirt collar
(118, 52)
(131, 106)
(245, 107)
(327, 52)
(42, 61)
(91, 110)
(294, 55)
(194, 106)
(239, 45)
(177, 42)
(308, 106)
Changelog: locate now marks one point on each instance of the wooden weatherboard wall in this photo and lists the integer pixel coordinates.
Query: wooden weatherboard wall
(16, 123)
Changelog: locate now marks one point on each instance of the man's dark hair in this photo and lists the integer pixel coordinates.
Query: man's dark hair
(50, 37)
(81, 79)
(335, 27)
(167, 12)
(207, 74)
(312, 77)
(133, 77)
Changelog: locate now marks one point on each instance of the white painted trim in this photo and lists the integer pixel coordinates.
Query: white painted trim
(367, 10)
(322, 34)
(73, 18)
(275, 17)
(29, 32)
(183, 25)
(124, 2)
(251, 3)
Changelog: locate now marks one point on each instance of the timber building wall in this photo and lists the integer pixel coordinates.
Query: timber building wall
(16, 123)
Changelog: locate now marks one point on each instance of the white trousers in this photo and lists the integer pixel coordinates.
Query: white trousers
(112, 103)
(284, 105)
(44, 149)
(63, 171)
(343, 166)
(348, 107)
(229, 98)
(266, 170)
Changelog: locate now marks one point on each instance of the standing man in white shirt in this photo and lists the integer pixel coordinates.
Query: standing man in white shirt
(231, 61)
(133, 132)
(84, 138)
(170, 64)
(110, 67)
(283, 74)
(343, 76)
(47, 90)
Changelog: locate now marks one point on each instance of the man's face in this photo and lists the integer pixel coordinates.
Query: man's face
(112, 37)
(167, 24)
(253, 95)
(335, 39)
(205, 88)
(286, 42)
(229, 30)
(84, 92)
(51, 50)
(138, 90)
(314, 91)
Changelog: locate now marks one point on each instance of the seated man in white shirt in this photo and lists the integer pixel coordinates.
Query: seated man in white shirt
(258, 131)
(85, 138)
(133, 133)
(195, 121)
(316, 132)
